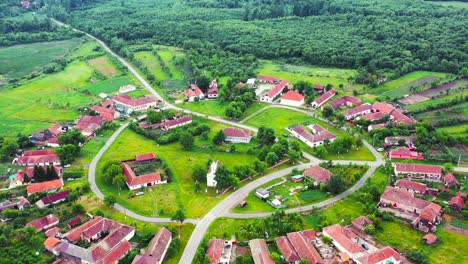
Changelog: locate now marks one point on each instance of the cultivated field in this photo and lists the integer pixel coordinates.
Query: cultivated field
(104, 66)
(20, 60)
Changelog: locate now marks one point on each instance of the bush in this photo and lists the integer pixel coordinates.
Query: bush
(72, 174)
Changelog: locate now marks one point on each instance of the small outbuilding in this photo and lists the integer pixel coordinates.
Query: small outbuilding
(262, 193)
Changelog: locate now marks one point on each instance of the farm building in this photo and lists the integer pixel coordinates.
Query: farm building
(319, 88)
(451, 181)
(48, 186)
(318, 136)
(349, 101)
(404, 153)
(384, 255)
(411, 186)
(457, 203)
(345, 240)
(157, 249)
(292, 98)
(357, 111)
(323, 98)
(134, 182)
(394, 141)
(262, 193)
(44, 223)
(37, 157)
(53, 199)
(271, 95)
(177, 122)
(318, 174)
(89, 124)
(18, 203)
(302, 245)
(219, 251)
(130, 105)
(48, 137)
(372, 116)
(418, 170)
(237, 135)
(361, 222)
(106, 113)
(376, 126)
(267, 79)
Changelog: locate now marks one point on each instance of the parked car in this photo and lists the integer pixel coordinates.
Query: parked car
(366, 247)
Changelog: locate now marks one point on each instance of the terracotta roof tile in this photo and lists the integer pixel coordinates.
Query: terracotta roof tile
(411, 185)
(44, 186)
(236, 132)
(304, 247)
(318, 173)
(292, 96)
(260, 252)
(418, 168)
(380, 256)
(344, 237)
(287, 249)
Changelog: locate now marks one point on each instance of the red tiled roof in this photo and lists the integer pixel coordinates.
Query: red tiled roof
(50, 242)
(311, 137)
(260, 252)
(125, 99)
(30, 170)
(345, 99)
(75, 234)
(38, 159)
(430, 238)
(318, 173)
(287, 249)
(116, 253)
(113, 246)
(107, 103)
(55, 197)
(277, 89)
(458, 201)
(380, 255)
(418, 168)
(240, 84)
(145, 157)
(133, 180)
(52, 232)
(292, 96)
(215, 250)
(304, 247)
(41, 152)
(74, 222)
(358, 109)
(411, 185)
(309, 233)
(174, 122)
(383, 107)
(236, 132)
(267, 78)
(361, 222)
(159, 244)
(319, 86)
(430, 212)
(213, 89)
(56, 129)
(324, 97)
(44, 186)
(401, 118)
(343, 236)
(105, 113)
(43, 222)
(395, 195)
(372, 116)
(450, 179)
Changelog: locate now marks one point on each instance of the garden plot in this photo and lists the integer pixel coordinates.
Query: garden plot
(413, 99)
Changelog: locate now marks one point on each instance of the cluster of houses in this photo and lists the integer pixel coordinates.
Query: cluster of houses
(403, 201)
(135, 181)
(350, 246)
(109, 241)
(316, 137)
(408, 151)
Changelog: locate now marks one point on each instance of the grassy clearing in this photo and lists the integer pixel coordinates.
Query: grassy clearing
(103, 65)
(138, 93)
(315, 75)
(163, 199)
(423, 105)
(20, 60)
(168, 57)
(49, 99)
(150, 61)
(453, 4)
(108, 86)
(457, 130)
(215, 108)
(404, 80)
(89, 49)
(459, 109)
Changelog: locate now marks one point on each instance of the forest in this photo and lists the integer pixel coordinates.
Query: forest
(396, 36)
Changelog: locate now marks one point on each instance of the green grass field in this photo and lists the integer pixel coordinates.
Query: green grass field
(164, 199)
(105, 66)
(39, 102)
(388, 87)
(456, 130)
(315, 75)
(215, 108)
(454, 4)
(108, 86)
(150, 61)
(20, 60)
(138, 93)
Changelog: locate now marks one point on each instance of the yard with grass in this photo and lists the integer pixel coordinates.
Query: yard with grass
(456, 130)
(407, 79)
(20, 60)
(315, 75)
(215, 108)
(163, 200)
(108, 86)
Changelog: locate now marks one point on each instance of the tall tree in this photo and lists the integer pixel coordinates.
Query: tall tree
(179, 216)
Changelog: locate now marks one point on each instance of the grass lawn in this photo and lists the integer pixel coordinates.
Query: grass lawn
(404, 80)
(108, 86)
(20, 60)
(138, 93)
(39, 102)
(423, 105)
(103, 65)
(456, 130)
(152, 63)
(315, 75)
(215, 108)
(164, 199)
(89, 49)
(168, 57)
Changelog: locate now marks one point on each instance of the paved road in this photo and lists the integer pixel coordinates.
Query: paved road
(222, 209)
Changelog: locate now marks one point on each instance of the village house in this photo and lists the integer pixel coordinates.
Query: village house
(357, 111)
(127, 88)
(388, 109)
(106, 113)
(451, 181)
(48, 186)
(213, 90)
(219, 251)
(433, 172)
(289, 253)
(302, 245)
(292, 98)
(89, 124)
(210, 176)
(375, 126)
(345, 240)
(457, 203)
(361, 222)
(371, 116)
(237, 135)
(404, 153)
(50, 244)
(251, 83)
(323, 98)
(53, 199)
(430, 238)
(319, 88)
(112, 242)
(384, 255)
(395, 141)
(267, 79)
(37, 157)
(271, 95)
(29, 172)
(129, 105)
(18, 203)
(147, 180)
(176, 122)
(345, 101)
(411, 186)
(260, 252)
(44, 223)
(157, 249)
(48, 137)
(318, 174)
(53, 232)
(193, 92)
(319, 136)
